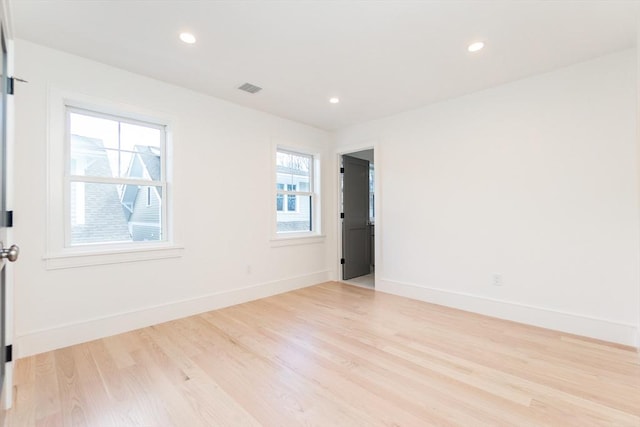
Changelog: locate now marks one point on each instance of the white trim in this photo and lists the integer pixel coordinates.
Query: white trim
(371, 144)
(578, 324)
(85, 258)
(41, 340)
(7, 22)
(294, 239)
(146, 224)
(315, 193)
(637, 159)
(115, 115)
(116, 181)
(59, 252)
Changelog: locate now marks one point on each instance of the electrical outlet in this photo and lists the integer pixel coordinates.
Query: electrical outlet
(497, 279)
(248, 269)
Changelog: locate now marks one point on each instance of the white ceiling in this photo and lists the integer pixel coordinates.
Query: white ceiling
(379, 57)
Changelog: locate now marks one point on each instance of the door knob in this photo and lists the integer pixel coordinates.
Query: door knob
(11, 253)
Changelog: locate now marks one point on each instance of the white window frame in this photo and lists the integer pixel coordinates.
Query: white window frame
(69, 178)
(300, 237)
(59, 252)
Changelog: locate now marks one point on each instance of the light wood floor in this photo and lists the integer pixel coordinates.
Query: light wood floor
(331, 355)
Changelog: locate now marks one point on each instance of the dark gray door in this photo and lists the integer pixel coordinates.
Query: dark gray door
(356, 240)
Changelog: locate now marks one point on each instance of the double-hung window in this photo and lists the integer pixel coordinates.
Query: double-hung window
(115, 182)
(295, 195)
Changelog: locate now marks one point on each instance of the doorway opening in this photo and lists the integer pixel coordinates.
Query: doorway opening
(357, 217)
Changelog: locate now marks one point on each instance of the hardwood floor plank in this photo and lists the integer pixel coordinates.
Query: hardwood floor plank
(47, 399)
(24, 394)
(118, 351)
(306, 364)
(384, 362)
(72, 396)
(332, 354)
(204, 395)
(282, 389)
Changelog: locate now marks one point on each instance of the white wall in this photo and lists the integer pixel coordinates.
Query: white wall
(224, 225)
(534, 180)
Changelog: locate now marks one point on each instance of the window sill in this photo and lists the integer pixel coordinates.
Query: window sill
(292, 240)
(86, 258)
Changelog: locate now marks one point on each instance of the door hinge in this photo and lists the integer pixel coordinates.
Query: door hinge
(342, 215)
(11, 83)
(341, 260)
(8, 353)
(7, 219)
(341, 170)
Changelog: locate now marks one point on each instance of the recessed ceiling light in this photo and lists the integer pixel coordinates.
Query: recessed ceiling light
(474, 47)
(334, 100)
(188, 38)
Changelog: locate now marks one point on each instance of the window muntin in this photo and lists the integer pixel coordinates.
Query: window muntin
(294, 192)
(292, 200)
(115, 179)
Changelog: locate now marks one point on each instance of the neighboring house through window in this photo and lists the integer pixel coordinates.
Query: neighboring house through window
(290, 205)
(295, 196)
(115, 179)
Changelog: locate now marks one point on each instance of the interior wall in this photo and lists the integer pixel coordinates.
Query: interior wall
(222, 201)
(519, 201)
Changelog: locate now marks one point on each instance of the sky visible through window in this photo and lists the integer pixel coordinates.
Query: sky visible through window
(118, 138)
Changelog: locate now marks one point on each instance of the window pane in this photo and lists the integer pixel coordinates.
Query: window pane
(296, 221)
(293, 168)
(291, 202)
(108, 148)
(124, 162)
(90, 158)
(105, 213)
(283, 178)
(298, 164)
(143, 163)
(132, 136)
(104, 130)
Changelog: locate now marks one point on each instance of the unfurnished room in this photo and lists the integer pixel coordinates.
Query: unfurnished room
(317, 212)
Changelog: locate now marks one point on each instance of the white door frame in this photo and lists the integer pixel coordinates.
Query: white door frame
(368, 145)
(5, 17)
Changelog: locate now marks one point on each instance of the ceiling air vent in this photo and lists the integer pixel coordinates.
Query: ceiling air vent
(248, 87)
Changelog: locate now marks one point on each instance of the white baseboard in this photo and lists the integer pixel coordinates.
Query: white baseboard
(48, 339)
(577, 324)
